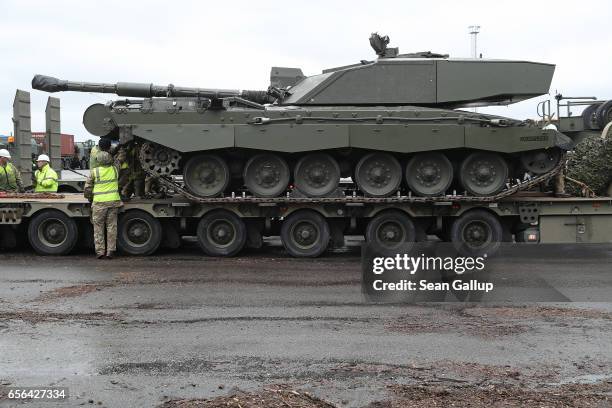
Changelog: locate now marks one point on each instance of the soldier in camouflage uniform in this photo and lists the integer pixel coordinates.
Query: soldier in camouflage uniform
(102, 189)
(131, 175)
(104, 145)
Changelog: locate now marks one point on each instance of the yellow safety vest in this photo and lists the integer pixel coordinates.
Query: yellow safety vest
(106, 184)
(93, 162)
(8, 178)
(46, 180)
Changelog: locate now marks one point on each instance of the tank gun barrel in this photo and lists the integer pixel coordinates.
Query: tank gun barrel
(143, 90)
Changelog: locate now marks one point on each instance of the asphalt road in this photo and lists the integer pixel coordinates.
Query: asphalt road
(144, 332)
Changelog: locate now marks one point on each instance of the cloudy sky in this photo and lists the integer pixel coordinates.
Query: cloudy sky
(233, 44)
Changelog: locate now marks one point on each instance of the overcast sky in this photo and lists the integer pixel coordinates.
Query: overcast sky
(233, 44)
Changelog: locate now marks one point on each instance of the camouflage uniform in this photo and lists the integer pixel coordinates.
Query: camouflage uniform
(104, 219)
(93, 161)
(103, 214)
(131, 175)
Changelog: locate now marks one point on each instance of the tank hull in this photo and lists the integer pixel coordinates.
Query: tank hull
(270, 151)
(292, 130)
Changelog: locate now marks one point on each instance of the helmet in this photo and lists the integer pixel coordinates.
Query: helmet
(5, 153)
(43, 157)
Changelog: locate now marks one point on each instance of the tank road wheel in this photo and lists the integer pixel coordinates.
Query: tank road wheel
(317, 175)
(483, 174)
(429, 174)
(138, 233)
(51, 232)
(266, 175)
(476, 233)
(540, 161)
(221, 233)
(206, 175)
(378, 174)
(305, 233)
(159, 159)
(390, 230)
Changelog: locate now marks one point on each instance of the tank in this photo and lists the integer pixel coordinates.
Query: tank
(393, 125)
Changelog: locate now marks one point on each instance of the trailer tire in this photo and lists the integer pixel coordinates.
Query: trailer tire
(310, 228)
(603, 114)
(221, 233)
(390, 230)
(138, 233)
(476, 233)
(51, 232)
(588, 116)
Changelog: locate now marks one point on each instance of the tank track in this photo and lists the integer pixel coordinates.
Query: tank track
(508, 191)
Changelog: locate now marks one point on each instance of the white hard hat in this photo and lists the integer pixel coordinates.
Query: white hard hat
(43, 157)
(5, 153)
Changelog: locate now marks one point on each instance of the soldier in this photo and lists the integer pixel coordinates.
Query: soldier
(104, 145)
(102, 190)
(10, 178)
(131, 175)
(45, 177)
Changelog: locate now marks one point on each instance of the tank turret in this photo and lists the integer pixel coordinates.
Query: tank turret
(424, 79)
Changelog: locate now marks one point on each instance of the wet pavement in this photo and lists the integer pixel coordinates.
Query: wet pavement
(180, 329)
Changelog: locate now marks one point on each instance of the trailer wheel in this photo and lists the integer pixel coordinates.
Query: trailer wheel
(51, 232)
(476, 233)
(221, 233)
(305, 233)
(139, 233)
(390, 230)
(603, 114)
(588, 116)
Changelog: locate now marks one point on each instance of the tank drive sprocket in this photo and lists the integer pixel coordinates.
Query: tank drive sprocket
(158, 159)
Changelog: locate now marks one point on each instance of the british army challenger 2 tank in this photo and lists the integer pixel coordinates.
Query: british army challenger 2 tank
(392, 124)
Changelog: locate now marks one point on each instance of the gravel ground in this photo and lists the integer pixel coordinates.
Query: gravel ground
(265, 330)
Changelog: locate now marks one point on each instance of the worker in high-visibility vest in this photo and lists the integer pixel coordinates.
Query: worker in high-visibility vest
(10, 178)
(102, 190)
(45, 177)
(104, 145)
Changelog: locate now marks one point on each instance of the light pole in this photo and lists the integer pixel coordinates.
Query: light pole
(474, 30)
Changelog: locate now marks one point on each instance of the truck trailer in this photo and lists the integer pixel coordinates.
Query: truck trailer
(56, 224)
